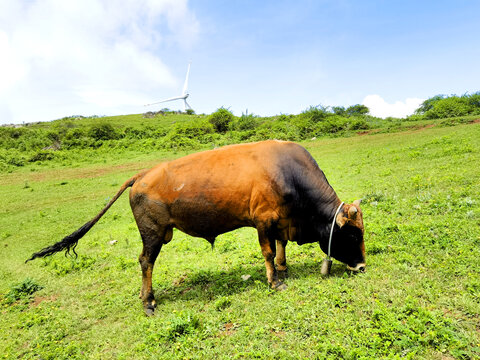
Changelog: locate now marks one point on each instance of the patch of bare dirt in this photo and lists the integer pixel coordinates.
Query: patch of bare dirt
(368, 132)
(229, 329)
(39, 299)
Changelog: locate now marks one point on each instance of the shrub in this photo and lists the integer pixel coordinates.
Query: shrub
(449, 107)
(188, 135)
(196, 129)
(183, 324)
(333, 124)
(13, 158)
(53, 136)
(222, 303)
(474, 100)
(221, 119)
(305, 127)
(441, 106)
(22, 291)
(42, 155)
(245, 122)
(359, 124)
(103, 131)
(174, 142)
(316, 113)
(284, 117)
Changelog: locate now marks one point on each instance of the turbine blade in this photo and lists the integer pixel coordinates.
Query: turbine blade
(169, 99)
(185, 86)
(187, 105)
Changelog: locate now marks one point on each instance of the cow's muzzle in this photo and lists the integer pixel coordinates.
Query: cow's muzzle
(358, 268)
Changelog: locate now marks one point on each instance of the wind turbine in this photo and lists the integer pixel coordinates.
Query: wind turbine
(184, 95)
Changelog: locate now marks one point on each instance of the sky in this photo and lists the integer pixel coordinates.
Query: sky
(103, 57)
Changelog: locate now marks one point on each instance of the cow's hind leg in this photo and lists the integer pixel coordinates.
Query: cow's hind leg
(281, 259)
(267, 243)
(153, 237)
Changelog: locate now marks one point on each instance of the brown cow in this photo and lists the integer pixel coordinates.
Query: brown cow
(273, 186)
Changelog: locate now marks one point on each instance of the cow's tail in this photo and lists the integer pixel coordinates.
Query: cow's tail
(68, 243)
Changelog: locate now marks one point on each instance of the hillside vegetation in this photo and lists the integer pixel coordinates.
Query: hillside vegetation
(419, 298)
(69, 140)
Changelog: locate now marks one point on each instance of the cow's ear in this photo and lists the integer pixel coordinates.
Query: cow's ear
(341, 220)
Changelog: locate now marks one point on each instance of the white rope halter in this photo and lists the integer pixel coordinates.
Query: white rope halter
(331, 230)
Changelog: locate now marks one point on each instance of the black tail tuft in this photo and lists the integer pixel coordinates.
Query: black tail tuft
(68, 243)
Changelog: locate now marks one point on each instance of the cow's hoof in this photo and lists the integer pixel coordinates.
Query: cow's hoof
(280, 286)
(149, 310)
(282, 274)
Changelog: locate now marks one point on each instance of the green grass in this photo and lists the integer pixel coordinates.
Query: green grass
(419, 299)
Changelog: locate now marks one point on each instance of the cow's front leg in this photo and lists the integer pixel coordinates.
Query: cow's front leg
(281, 259)
(268, 250)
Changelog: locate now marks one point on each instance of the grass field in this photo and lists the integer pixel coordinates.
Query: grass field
(419, 299)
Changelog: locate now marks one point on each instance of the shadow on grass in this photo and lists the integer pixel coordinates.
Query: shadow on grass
(207, 285)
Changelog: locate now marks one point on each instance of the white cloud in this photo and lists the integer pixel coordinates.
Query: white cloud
(379, 107)
(87, 57)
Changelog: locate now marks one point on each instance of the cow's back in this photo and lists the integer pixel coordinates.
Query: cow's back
(212, 192)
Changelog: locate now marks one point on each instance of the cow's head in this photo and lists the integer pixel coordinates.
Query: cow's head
(347, 243)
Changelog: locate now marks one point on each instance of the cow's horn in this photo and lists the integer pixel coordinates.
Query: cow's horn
(352, 212)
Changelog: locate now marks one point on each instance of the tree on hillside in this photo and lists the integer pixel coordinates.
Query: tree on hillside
(428, 104)
(441, 106)
(339, 110)
(357, 109)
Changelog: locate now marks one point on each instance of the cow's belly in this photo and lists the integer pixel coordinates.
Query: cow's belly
(201, 217)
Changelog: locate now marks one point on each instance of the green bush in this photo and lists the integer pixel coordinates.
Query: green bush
(103, 131)
(441, 106)
(333, 124)
(449, 107)
(222, 303)
(176, 142)
(359, 124)
(12, 157)
(305, 127)
(474, 100)
(196, 129)
(74, 134)
(181, 325)
(276, 130)
(42, 155)
(188, 135)
(221, 120)
(245, 122)
(22, 291)
(316, 113)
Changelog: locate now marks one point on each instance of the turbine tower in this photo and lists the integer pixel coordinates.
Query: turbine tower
(184, 95)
